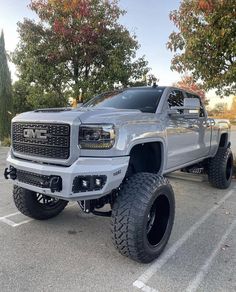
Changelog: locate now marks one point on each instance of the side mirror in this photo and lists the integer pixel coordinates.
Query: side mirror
(190, 109)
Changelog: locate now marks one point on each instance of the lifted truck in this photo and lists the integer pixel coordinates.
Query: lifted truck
(116, 149)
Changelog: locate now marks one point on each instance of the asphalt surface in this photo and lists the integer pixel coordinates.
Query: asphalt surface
(74, 252)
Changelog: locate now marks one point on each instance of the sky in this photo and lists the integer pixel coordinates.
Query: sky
(148, 19)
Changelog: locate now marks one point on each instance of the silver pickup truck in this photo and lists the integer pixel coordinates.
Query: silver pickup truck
(115, 150)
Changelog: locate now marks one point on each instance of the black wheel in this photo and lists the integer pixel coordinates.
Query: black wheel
(143, 216)
(220, 169)
(36, 205)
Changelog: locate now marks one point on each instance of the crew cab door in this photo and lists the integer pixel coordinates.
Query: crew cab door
(185, 136)
(202, 148)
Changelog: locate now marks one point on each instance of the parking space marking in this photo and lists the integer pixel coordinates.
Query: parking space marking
(6, 220)
(158, 263)
(10, 215)
(145, 287)
(195, 282)
(23, 222)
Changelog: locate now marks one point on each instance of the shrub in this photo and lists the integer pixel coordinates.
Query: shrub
(6, 142)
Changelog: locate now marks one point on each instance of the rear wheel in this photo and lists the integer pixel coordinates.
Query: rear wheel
(220, 169)
(143, 216)
(35, 205)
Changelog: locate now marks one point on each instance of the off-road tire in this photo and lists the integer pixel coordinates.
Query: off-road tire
(131, 216)
(220, 168)
(27, 203)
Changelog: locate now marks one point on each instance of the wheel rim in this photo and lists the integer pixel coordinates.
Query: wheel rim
(46, 202)
(229, 167)
(157, 220)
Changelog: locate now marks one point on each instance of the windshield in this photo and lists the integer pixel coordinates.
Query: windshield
(145, 100)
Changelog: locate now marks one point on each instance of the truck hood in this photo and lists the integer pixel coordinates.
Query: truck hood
(87, 115)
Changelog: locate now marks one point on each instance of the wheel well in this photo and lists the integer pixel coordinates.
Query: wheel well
(224, 140)
(146, 157)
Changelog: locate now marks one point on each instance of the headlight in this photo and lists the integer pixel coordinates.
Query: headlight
(96, 136)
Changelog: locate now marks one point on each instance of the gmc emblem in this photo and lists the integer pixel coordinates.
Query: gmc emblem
(35, 134)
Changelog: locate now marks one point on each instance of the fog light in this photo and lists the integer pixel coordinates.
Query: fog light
(98, 182)
(88, 183)
(85, 183)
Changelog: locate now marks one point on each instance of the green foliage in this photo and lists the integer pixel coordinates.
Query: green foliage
(5, 92)
(19, 98)
(206, 42)
(28, 97)
(75, 45)
(6, 142)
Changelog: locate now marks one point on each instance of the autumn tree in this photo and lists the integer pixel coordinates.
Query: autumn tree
(187, 83)
(205, 43)
(5, 92)
(75, 45)
(233, 106)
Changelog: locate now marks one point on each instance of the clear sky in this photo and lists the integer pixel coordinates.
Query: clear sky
(148, 19)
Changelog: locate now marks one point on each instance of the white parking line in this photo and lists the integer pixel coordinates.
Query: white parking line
(172, 250)
(195, 282)
(5, 219)
(144, 287)
(8, 221)
(10, 215)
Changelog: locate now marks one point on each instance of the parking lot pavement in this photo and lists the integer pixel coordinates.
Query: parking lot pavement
(74, 252)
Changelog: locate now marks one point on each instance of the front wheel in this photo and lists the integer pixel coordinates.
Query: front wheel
(143, 216)
(35, 205)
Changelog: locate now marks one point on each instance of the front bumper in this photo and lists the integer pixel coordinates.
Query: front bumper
(114, 169)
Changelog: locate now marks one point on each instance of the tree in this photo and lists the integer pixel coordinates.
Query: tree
(206, 42)
(233, 106)
(220, 108)
(5, 92)
(187, 83)
(76, 45)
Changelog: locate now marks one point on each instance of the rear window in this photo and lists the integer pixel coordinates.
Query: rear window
(145, 100)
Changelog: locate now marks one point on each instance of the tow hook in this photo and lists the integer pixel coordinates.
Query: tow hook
(11, 173)
(55, 184)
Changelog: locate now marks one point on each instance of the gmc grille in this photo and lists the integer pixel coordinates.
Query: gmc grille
(54, 142)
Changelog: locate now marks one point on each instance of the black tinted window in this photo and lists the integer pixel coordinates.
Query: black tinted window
(176, 98)
(201, 113)
(145, 100)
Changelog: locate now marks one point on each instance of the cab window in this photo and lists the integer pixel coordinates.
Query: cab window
(176, 98)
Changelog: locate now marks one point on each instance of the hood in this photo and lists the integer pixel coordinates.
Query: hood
(86, 116)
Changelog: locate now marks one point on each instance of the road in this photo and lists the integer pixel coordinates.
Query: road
(74, 252)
